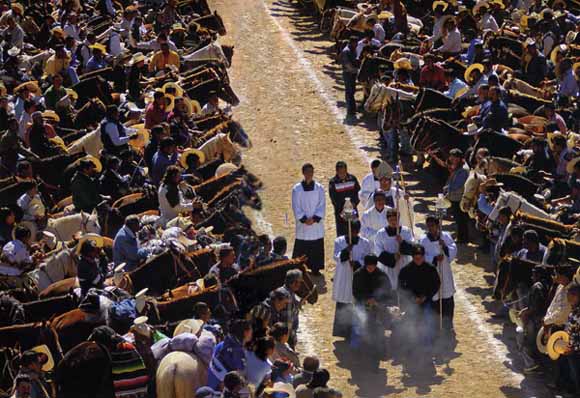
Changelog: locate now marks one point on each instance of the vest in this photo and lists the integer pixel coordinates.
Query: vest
(106, 140)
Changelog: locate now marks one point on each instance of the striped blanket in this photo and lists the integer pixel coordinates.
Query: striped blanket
(130, 376)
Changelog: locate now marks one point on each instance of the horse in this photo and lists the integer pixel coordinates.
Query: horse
(471, 193)
(210, 53)
(512, 273)
(498, 165)
(60, 265)
(45, 309)
(90, 143)
(179, 375)
(562, 251)
(74, 327)
(28, 335)
(515, 202)
(221, 146)
(90, 114)
(254, 285)
(50, 169)
(65, 228)
(212, 22)
(60, 288)
(93, 87)
(232, 128)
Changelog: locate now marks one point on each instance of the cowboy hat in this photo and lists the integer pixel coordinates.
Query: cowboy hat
(137, 57)
(442, 202)
(472, 129)
(57, 31)
(403, 64)
(470, 69)
(225, 168)
(440, 3)
(575, 67)
(557, 344)
(191, 151)
(72, 94)
(58, 141)
(96, 162)
(51, 242)
(51, 116)
(140, 326)
(98, 239)
(499, 3)
(280, 387)
(47, 365)
(540, 341)
(99, 46)
(17, 7)
(178, 89)
(192, 106)
(479, 6)
(177, 27)
(571, 37)
(141, 139)
(385, 15)
(32, 86)
(571, 164)
(562, 48)
(13, 52)
(192, 326)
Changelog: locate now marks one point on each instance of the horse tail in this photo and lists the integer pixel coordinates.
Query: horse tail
(178, 376)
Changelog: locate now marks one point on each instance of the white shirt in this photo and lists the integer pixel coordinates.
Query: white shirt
(432, 250)
(343, 273)
(389, 244)
(372, 221)
(368, 186)
(309, 204)
(113, 132)
(380, 33)
(23, 125)
(451, 42)
(363, 43)
(559, 309)
(16, 252)
(488, 22)
(166, 211)
(31, 206)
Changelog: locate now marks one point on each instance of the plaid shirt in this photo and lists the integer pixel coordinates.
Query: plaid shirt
(573, 329)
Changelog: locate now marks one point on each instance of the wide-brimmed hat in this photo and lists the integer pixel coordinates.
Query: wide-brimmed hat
(440, 3)
(571, 37)
(96, 162)
(442, 202)
(178, 90)
(17, 7)
(32, 86)
(177, 27)
(51, 241)
(472, 129)
(403, 64)
(282, 388)
(137, 57)
(50, 116)
(141, 140)
(557, 344)
(562, 48)
(57, 31)
(540, 343)
(192, 326)
(191, 151)
(47, 361)
(98, 46)
(470, 69)
(58, 141)
(225, 168)
(479, 6)
(98, 239)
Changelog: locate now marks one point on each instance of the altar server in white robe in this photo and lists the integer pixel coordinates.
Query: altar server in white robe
(440, 250)
(309, 206)
(374, 218)
(389, 191)
(369, 184)
(348, 258)
(393, 247)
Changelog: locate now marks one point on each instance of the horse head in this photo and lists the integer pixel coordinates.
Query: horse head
(238, 135)
(90, 222)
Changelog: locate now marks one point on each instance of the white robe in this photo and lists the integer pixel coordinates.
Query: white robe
(389, 244)
(371, 222)
(309, 204)
(432, 250)
(368, 186)
(342, 284)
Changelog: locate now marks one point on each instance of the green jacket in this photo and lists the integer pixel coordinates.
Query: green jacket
(85, 192)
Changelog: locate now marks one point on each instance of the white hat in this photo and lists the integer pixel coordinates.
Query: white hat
(140, 299)
(472, 129)
(281, 387)
(50, 239)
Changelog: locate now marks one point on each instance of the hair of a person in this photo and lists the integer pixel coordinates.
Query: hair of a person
(307, 166)
(279, 330)
(310, 363)
(263, 344)
(292, 276)
(200, 308)
(238, 327)
(279, 245)
(21, 232)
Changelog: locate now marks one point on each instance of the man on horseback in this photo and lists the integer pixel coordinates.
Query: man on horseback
(114, 134)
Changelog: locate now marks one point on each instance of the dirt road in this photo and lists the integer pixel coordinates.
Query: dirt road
(292, 107)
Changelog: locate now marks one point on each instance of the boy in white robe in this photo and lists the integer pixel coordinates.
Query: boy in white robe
(374, 218)
(369, 184)
(440, 250)
(393, 246)
(348, 257)
(309, 206)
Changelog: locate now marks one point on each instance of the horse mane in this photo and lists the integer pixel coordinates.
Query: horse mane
(211, 133)
(272, 266)
(224, 192)
(213, 180)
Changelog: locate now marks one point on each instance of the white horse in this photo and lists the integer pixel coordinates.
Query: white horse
(60, 265)
(211, 52)
(220, 146)
(515, 202)
(64, 228)
(90, 143)
(382, 95)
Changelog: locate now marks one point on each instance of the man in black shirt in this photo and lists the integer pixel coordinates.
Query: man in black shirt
(340, 187)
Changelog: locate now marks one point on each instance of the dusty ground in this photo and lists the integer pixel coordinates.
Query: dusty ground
(292, 107)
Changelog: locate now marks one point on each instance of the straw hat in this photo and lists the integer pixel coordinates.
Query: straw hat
(58, 141)
(72, 94)
(178, 89)
(57, 32)
(225, 168)
(141, 140)
(438, 3)
(32, 86)
(192, 106)
(192, 326)
(557, 344)
(51, 116)
(479, 6)
(177, 27)
(562, 48)
(48, 365)
(13, 52)
(137, 57)
(99, 46)
(499, 3)
(94, 160)
(191, 151)
(540, 343)
(469, 71)
(98, 239)
(403, 64)
(17, 7)
(280, 387)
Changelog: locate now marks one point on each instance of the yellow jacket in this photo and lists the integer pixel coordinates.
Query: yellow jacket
(159, 60)
(54, 65)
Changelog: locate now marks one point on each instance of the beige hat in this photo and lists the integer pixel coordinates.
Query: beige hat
(43, 349)
(98, 239)
(557, 344)
(192, 326)
(191, 151)
(283, 388)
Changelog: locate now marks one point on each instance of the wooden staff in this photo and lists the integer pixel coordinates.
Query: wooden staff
(406, 200)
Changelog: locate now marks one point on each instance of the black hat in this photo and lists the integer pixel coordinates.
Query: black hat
(418, 250)
(371, 260)
(432, 218)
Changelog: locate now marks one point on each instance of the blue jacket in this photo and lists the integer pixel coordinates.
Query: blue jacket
(159, 164)
(494, 115)
(126, 249)
(227, 356)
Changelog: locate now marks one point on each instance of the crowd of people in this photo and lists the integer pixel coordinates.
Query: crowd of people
(486, 92)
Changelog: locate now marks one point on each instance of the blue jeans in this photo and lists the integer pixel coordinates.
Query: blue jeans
(349, 91)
